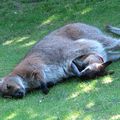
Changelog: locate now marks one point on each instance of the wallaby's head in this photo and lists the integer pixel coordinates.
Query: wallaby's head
(12, 86)
(94, 70)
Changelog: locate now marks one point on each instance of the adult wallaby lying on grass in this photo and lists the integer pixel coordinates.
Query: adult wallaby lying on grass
(73, 50)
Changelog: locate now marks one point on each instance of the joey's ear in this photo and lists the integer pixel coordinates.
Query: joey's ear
(110, 72)
(106, 64)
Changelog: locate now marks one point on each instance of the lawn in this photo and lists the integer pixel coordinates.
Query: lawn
(22, 24)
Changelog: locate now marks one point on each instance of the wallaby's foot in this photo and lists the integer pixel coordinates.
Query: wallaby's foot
(114, 30)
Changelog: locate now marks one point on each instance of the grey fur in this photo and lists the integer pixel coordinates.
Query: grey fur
(50, 59)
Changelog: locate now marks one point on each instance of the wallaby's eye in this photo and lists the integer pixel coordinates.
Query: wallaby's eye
(9, 87)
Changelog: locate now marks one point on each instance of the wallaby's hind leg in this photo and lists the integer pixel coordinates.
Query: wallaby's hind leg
(113, 56)
(115, 45)
(114, 30)
(108, 42)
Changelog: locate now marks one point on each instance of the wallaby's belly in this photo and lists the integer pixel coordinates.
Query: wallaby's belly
(56, 73)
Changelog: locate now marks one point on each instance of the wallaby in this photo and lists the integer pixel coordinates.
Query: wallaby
(73, 50)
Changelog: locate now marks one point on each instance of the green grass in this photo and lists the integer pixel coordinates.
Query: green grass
(22, 23)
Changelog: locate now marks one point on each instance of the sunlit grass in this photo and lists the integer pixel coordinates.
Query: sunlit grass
(86, 10)
(29, 44)
(107, 80)
(90, 104)
(22, 24)
(49, 20)
(72, 116)
(115, 117)
(15, 41)
(11, 116)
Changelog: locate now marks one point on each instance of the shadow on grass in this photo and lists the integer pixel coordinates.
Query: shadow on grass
(36, 20)
(72, 100)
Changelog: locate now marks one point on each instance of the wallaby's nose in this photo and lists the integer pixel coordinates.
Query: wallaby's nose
(19, 93)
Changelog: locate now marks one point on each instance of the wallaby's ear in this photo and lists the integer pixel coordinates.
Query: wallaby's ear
(106, 64)
(1, 81)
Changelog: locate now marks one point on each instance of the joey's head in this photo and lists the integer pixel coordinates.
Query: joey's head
(12, 87)
(94, 70)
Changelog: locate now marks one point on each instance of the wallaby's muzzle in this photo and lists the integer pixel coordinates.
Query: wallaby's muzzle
(12, 87)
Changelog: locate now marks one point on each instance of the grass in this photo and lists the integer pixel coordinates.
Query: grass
(22, 23)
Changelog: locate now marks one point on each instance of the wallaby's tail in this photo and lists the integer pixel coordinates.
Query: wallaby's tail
(114, 30)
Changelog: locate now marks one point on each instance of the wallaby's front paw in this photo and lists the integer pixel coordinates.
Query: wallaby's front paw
(50, 84)
(44, 87)
(45, 91)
